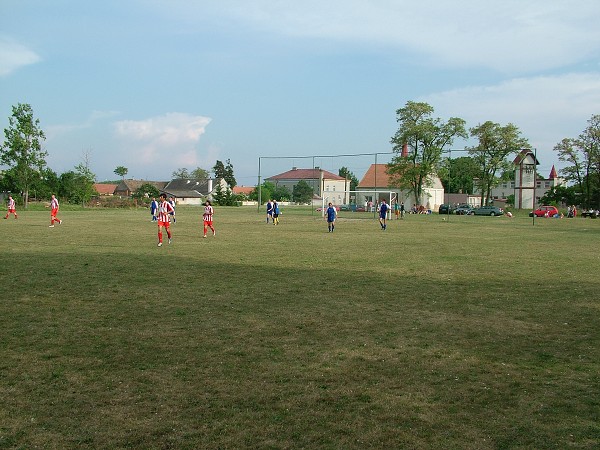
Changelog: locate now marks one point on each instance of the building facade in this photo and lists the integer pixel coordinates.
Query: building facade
(528, 186)
(377, 179)
(326, 185)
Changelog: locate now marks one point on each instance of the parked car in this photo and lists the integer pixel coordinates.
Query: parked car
(464, 210)
(592, 213)
(488, 211)
(446, 209)
(545, 211)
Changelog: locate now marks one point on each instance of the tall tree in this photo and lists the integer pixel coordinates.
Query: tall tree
(495, 144)
(425, 139)
(22, 148)
(121, 171)
(225, 171)
(85, 180)
(344, 172)
(583, 155)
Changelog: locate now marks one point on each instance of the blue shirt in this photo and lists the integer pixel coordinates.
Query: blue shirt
(330, 214)
(383, 209)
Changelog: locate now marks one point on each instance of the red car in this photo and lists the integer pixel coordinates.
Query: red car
(545, 211)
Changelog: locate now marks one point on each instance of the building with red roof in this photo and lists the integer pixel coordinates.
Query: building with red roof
(326, 185)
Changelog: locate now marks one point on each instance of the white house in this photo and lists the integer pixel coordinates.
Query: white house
(377, 179)
(188, 191)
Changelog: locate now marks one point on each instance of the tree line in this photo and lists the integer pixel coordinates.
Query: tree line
(28, 173)
(422, 141)
(420, 144)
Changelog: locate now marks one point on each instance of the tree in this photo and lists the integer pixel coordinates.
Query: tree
(200, 174)
(22, 148)
(495, 144)
(302, 192)
(425, 139)
(181, 173)
(281, 193)
(225, 197)
(121, 171)
(266, 192)
(457, 175)
(77, 186)
(344, 172)
(85, 181)
(560, 195)
(583, 154)
(146, 190)
(226, 172)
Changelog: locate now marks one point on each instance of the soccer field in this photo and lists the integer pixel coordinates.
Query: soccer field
(477, 332)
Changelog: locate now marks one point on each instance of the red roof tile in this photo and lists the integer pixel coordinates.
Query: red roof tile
(375, 172)
(105, 189)
(242, 190)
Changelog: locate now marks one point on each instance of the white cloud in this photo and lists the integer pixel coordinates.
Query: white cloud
(14, 56)
(511, 36)
(546, 109)
(171, 138)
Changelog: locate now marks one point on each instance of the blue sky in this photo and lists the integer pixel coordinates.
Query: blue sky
(155, 85)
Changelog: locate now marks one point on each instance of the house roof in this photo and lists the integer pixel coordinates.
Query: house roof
(242, 190)
(305, 174)
(523, 154)
(553, 173)
(105, 189)
(376, 172)
(133, 185)
(187, 187)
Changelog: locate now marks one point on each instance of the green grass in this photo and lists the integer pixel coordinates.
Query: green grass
(476, 332)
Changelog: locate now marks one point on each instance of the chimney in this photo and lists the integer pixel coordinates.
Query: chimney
(405, 150)
(210, 187)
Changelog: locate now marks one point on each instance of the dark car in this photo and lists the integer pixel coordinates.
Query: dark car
(446, 209)
(464, 210)
(591, 213)
(488, 211)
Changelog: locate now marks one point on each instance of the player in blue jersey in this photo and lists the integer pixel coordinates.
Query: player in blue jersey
(269, 211)
(383, 209)
(331, 215)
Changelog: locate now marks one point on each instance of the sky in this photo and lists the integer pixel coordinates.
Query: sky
(157, 85)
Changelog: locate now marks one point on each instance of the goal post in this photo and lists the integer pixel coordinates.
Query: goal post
(357, 201)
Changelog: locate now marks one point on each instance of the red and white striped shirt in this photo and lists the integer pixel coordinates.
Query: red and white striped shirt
(208, 213)
(11, 203)
(164, 208)
(54, 204)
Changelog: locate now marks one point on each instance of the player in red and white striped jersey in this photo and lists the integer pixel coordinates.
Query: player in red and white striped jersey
(54, 211)
(11, 208)
(208, 217)
(164, 218)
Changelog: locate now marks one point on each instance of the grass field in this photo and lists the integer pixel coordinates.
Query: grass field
(476, 332)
